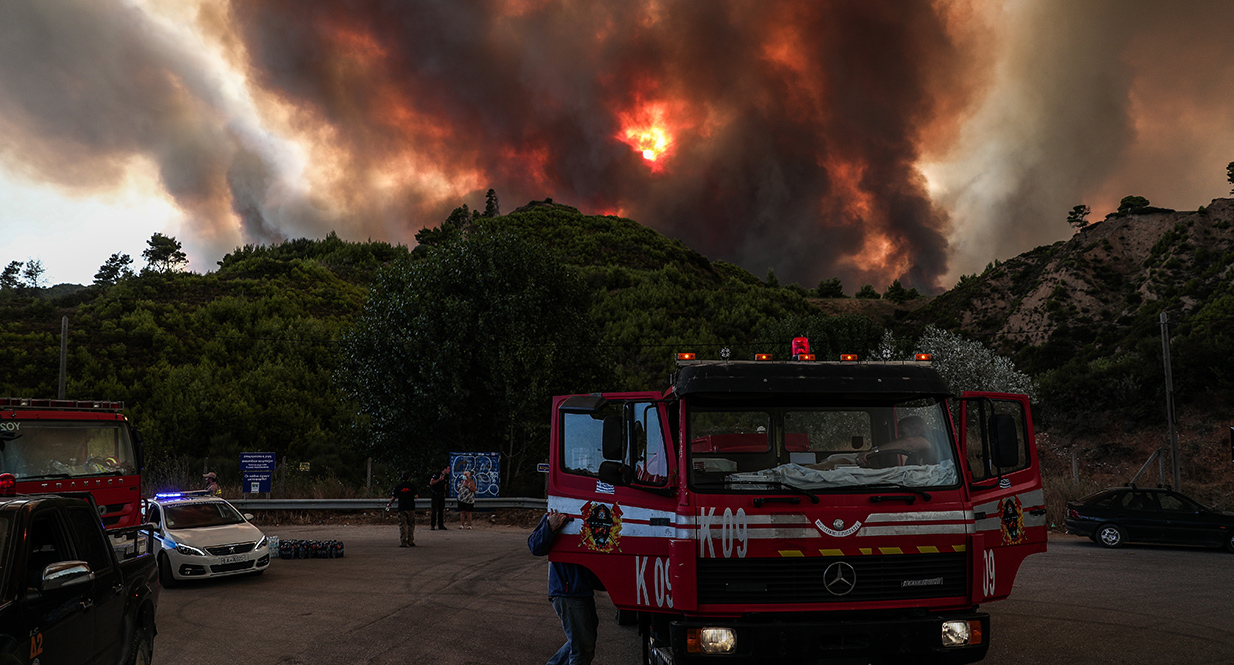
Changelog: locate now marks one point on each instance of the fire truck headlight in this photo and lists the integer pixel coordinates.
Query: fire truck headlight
(960, 633)
(715, 640)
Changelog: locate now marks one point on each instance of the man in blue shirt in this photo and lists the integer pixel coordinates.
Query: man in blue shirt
(571, 590)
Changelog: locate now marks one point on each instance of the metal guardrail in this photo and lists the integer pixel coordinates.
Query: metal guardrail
(482, 503)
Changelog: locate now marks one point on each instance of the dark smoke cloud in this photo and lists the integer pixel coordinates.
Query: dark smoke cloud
(803, 132)
(531, 99)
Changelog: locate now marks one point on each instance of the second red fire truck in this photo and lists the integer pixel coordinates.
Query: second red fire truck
(69, 446)
(800, 511)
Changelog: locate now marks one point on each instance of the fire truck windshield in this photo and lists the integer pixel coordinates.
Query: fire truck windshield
(841, 446)
(67, 449)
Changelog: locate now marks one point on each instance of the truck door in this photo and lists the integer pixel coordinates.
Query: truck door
(622, 529)
(60, 620)
(107, 589)
(1004, 482)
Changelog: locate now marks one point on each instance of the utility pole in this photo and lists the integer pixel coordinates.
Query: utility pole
(1169, 399)
(64, 354)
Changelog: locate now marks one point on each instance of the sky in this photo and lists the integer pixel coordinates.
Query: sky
(870, 141)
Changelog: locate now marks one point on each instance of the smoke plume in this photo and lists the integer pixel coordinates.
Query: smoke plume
(869, 141)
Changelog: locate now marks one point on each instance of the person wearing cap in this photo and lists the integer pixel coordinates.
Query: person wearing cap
(212, 484)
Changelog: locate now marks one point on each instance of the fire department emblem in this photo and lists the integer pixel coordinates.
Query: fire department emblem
(1012, 515)
(601, 528)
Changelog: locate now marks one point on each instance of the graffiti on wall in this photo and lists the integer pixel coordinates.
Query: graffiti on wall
(484, 467)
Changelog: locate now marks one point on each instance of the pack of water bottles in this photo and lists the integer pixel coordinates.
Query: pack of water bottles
(310, 549)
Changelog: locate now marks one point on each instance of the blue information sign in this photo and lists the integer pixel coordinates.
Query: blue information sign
(258, 469)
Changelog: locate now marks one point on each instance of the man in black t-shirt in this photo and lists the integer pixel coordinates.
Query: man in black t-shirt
(438, 485)
(405, 493)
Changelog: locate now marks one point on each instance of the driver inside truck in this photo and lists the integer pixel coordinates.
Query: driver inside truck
(911, 448)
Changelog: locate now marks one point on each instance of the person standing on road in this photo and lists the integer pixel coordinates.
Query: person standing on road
(212, 484)
(437, 486)
(571, 590)
(466, 499)
(406, 494)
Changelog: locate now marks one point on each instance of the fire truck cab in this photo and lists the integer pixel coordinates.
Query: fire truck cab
(69, 446)
(800, 511)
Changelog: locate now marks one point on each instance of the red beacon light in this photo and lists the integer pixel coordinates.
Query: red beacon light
(848, 357)
(801, 349)
(8, 484)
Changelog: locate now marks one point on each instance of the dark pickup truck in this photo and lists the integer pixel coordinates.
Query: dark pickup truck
(71, 593)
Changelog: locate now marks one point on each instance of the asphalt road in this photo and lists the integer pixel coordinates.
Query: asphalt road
(479, 597)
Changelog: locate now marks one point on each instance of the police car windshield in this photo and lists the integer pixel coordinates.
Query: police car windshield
(848, 444)
(199, 514)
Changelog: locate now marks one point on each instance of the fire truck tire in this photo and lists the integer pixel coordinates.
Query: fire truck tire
(626, 617)
(1110, 535)
(165, 576)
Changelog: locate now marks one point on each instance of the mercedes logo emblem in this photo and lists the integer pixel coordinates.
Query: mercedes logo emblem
(839, 578)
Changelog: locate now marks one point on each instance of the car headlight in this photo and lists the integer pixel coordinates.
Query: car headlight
(711, 640)
(961, 633)
(261, 543)
(189, 550)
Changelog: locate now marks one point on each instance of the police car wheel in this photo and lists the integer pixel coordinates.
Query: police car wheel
(165, 576)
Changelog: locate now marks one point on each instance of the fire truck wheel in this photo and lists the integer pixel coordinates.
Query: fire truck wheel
(626, 617)
(1110, 535)
(165, 577)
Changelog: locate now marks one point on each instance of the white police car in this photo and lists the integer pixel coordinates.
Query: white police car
(204, 536)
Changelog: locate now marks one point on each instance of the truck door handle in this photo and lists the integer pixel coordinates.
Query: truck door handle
(1037, 511)
(87, 603)
(117, 589)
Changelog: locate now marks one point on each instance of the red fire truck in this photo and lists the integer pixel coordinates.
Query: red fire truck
(800, 511)
(66, 446)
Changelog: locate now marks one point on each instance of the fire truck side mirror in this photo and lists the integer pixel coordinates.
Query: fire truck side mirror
(613, 446)
(1003, 442)
(616, 473)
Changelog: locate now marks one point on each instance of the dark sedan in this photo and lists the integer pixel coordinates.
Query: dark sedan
(1119, 515)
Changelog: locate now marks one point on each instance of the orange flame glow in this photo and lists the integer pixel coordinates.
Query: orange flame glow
(648, 133)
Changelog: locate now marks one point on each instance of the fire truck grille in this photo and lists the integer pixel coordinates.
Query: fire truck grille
(832, 579)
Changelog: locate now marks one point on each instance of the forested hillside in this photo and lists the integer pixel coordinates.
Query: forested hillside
(328, 352)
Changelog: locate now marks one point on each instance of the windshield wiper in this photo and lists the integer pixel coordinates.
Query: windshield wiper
(777, 483)
(899, 488)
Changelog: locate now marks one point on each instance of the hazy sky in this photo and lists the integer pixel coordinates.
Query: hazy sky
(862, 140)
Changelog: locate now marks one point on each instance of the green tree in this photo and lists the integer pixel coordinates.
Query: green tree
(33, 273)
(867, 292)
(164, 254)
(464, 349)
(772, 280)
(897, 294)
(1229, 174)
(491, 207)
(830, 288)
(11, 277)
(1078, 217)
(1132, 204)
(114, 269)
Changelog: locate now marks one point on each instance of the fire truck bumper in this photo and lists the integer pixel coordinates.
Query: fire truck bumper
(864, 640)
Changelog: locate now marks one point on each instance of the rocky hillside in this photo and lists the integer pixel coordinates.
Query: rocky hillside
(1090, 291)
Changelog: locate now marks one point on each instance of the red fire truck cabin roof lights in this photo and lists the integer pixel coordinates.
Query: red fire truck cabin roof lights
(89, 405)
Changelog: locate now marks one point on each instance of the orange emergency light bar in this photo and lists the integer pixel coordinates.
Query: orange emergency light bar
(762, 356)
(685, 356)
(805, 356)
(923, 356)
(848, 357)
